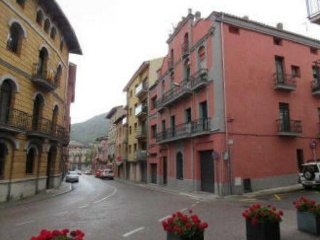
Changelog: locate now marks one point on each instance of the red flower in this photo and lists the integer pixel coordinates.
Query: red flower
(257, 213)
(306, 205)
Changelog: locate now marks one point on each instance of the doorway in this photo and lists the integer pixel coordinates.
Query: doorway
(206, 171)
(164, 167)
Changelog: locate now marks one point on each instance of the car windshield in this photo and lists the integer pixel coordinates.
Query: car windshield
(72, 173)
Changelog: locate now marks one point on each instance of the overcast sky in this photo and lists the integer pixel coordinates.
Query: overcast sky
(116, 36)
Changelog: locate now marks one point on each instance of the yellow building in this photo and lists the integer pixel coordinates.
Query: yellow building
(137, 112)
(36, 39)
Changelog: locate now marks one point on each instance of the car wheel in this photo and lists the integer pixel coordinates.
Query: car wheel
(308, 175)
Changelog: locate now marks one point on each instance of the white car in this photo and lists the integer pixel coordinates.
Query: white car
(72, 176)
(310, 174)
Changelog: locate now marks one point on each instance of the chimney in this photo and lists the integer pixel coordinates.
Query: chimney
(189, 11)
(246, 17)
(280, 26)
(197, 15)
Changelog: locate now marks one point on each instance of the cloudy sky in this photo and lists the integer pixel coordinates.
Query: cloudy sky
(116, 36)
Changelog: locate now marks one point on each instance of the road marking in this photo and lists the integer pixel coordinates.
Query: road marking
(84, 206)
(24, 223)
(57, 214)
(248, 200)
(132, 232)
(164, 218)
(113, 193)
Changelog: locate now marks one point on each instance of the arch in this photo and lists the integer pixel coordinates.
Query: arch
(12, 80)
(43, 61)
(9, 141)
(39, 93)
(40, 16)
(53, 32)
(17, 21)
(14, 41)
(30, 160)
(47, 25)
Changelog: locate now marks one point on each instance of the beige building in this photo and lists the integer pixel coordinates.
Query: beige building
(137, 113)
(36, 39)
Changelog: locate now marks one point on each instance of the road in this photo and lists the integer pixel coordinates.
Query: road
(112, 210)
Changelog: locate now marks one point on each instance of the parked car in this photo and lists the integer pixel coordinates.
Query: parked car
(107, 174)
(79, 172)
(309, 175)
(88, 172)
(98, 172)
(72, 176)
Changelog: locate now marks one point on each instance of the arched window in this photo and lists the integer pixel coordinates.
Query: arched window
(202, 57)
(57, 78)
(3, 150)
(42, 62)
(31, 155)
(15, 38)
(47, 25)
(39, 18)
(37, 112)
(185, 44)
(53, 33)
(5, 101)
(179, 166)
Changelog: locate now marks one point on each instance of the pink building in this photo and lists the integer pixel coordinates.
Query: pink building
(235, 106)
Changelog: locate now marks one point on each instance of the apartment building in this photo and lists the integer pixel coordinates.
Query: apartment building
(137, 116)
(235, 106)
(36, 90)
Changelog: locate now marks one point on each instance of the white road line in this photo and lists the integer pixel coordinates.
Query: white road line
(113, 193)
(57, 214)
(84, 206)
(164, 218)
(24, 223)
(132, 232)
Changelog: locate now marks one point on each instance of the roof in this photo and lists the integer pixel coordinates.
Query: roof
(52, 7)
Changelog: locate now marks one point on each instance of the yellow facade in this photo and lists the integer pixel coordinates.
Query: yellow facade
(34, 65)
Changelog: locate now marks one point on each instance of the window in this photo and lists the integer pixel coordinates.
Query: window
(202, 56)
(39, 18)
(37, 112)
(277, 41)
(153, 131)
(234, 30)
(154, 102)
(129, 148)
(46, 25)
(130, 130)
(179, 166)
(295, 71)
(135, 147)
(15, 38)
(42, 62)
(284, 117)
(187, 69)
(5, 101)
(57, 77)
(3, 151)
(30, 160)
(21, 2)
(55, 114)
(187, 115)
(53, 33)
(61, 44)
(313, 50)
(279, 69)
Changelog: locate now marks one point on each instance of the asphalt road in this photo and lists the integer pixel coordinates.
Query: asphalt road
(112, 210)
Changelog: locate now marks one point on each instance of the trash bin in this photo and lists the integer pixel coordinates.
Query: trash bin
(247, 185)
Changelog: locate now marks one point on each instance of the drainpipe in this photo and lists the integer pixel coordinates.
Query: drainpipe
(225, 108)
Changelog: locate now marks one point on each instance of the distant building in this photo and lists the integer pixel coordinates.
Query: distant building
(100, 153)
(235, 106)
(80, 156)
(137, 112)
(36, 89)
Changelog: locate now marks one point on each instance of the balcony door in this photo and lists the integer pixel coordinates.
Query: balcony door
(279, 69)
(284, 117)
(5, 101)
(173, 126)
(37, 112)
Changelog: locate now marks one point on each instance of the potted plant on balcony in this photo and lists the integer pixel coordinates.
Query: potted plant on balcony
(184, 227)
(262, 222)
(308, 215)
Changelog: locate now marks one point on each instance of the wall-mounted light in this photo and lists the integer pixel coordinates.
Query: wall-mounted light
(176, 84)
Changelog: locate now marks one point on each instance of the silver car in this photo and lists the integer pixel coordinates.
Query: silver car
(72, 176)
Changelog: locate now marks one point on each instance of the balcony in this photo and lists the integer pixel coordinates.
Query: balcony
(289, 128)
(44, 79)
(199, 79)
(141, 90)
(140, 155)
(195, 128)
(176, 93)
(284, 82)
(313, 9)
(141, 111)
(141, 133)
(16, 121)
(315, 88)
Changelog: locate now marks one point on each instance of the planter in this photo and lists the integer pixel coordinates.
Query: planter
(263, 231)
(171, 236)
(308, 222)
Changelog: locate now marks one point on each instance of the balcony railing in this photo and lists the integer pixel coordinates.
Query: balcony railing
(14, 120)
(141, 110)
(315, 87)
(141, 90)
(199, 79)
(284, 82)
(187, 130)
(313, 9)
(141, 133)
(43, 79)
(291, 128)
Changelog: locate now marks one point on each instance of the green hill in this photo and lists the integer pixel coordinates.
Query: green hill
(90, 130)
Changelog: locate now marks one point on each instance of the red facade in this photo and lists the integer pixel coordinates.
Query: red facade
(235, 106)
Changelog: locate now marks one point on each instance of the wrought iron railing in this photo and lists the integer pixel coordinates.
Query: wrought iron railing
(291, 127)
(43, 78)
(284, 80)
